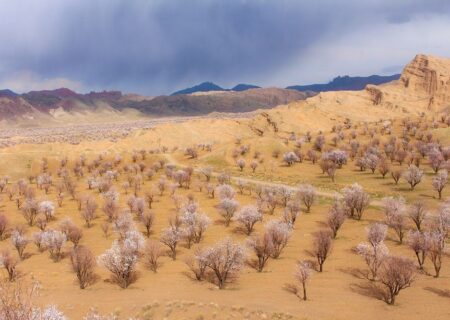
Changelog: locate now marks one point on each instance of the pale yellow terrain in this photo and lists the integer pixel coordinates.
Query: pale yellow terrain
(337, 293)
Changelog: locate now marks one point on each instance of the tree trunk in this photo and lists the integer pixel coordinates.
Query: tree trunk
(304, 291)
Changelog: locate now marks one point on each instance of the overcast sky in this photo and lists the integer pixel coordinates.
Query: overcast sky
(158, 46)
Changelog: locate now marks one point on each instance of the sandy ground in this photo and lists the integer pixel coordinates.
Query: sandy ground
(337, 293)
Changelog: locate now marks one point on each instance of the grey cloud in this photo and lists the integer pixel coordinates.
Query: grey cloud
(161, 45)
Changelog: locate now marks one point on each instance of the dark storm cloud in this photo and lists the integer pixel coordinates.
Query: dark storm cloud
(153, 46)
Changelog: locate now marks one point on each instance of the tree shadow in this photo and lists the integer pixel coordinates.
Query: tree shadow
(27, 255)
(356, 272)
(293, 289)
(240, 230)
(369, 290)
(191, 276)
(445, 293)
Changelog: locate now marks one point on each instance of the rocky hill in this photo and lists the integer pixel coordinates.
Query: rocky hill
(217, 101)
(423, 87)
(66, 105)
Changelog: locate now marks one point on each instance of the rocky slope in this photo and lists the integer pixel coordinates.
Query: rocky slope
(429, 77)
(218, 101)
(423, 87)
(65, 105)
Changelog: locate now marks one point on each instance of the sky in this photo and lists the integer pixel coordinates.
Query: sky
(159, 46)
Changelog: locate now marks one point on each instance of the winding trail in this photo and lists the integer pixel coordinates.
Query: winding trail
(235, 179)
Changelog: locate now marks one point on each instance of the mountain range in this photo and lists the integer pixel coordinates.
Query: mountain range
(210, 86)
(61, 105)
(339, 83)
(346, 83)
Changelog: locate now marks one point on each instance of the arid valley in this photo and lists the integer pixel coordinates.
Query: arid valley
(325, 201)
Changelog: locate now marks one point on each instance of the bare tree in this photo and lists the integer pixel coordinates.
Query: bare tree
(19, 241)
(290, 158)
(439, 182)
(162, 184)
(136, 205)
(73, 234)
(54, 241)
(207, 172)
(331, 170)
(123, 224)
(284, 194)
(88, 212)
(307, 194)
(396, 175)
(254, 165)
(147, 219)
(195, 225)
(83, 264)
(4, 224)
(356, 200)
(417, 212)
(279, 233)
(302, 273)
(227, 209)
(210, 190)
(170, 237)
(198, 263)
(413, 175)
(241, 164)
(225, 259)
(9, 262)
(396, 274)
(394, 209)
(47, 208)
(152, 253)
(263, 248)
(248, 216)
(313, 156)
(110, 208)
(322, 247)
(336, 218)
(241, 185)
(319, 142)
(291, 212)
(383, 167)
(225, 191)
(374, 251)
(419, 243)
(435, 249)
(149, 198)
(30, 210)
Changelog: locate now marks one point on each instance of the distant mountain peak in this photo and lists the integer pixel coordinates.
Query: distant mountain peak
(8, 93)
(58, 93)
(346, 83)
(244, 86)
(202, 87)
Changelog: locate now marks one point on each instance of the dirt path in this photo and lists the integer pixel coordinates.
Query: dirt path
(320, 192)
